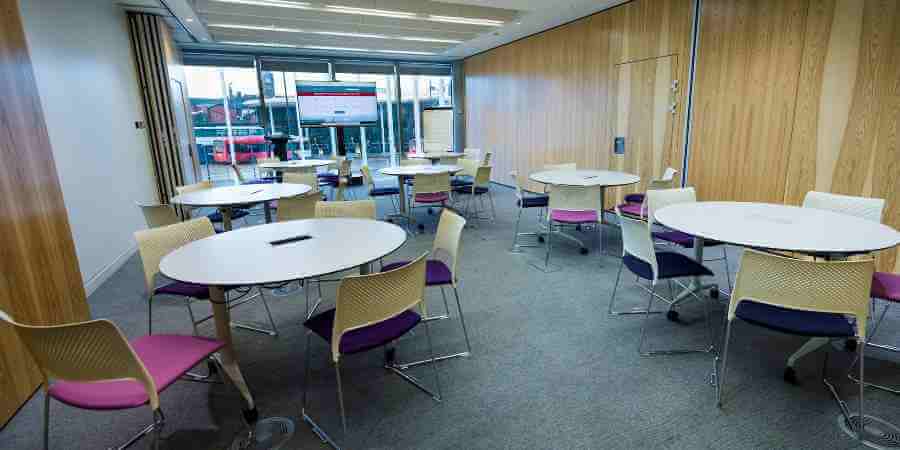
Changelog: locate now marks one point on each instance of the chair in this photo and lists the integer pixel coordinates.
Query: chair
(91, 365)
(657, 199)
(442, 271)
(430, 190)
(571, 206)
(885, 287)
(563, 166)
(215, 217)
(639, 255)
(524, 200)
(269, 174)
(370, 311)
(464, 178)
(389, 191)
(243, 180)
(297, 208)
(862, 207)
(634, 203)
(156, 243)
(486, 160)
(307, 178)
(479, 189)
(158, 215)
(344, 180)
(805, 298)
(360, 209)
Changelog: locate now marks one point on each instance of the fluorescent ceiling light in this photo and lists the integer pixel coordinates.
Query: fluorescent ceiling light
(366, 50)
(273, 3)
(331, 33)
(466, 20)
(406, 52)
(370, 12)
(259, 44)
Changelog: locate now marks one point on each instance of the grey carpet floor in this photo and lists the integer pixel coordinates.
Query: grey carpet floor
(550, 370)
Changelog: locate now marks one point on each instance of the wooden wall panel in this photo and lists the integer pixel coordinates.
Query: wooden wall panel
(39, 277)
(551, 97)
(845, 133)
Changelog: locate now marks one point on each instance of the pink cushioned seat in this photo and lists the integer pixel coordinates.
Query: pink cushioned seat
(567, 216)
(166, 357)
(631, 209)
(886, 286)
(436, 197)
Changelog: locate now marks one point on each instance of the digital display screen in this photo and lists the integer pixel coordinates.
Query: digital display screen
(331, 103)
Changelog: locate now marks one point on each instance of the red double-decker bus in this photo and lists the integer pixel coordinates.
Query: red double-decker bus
(246, 148)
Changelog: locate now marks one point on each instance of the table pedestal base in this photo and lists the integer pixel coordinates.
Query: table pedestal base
(267, 434)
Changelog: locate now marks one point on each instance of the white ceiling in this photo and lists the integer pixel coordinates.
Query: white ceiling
(394, 29)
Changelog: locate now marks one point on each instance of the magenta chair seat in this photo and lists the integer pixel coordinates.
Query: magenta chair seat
(436, 197)
(886, 286)
(166, 357)
(436, 272)
(632, 209)
(681, 239)
(567, 216)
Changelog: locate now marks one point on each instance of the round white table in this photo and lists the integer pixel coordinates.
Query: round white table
(776, 227)
(226, 197)
(299, 165)
(436, 156)
(321, 247)
(406, 172)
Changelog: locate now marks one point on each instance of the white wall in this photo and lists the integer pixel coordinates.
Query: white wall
(82, 57)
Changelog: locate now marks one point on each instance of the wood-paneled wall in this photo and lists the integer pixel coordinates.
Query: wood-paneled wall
(549, 98)
(798, 95)
(39, 277)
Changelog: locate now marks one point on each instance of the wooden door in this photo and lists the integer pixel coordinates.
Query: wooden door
(39, 278)
(645, 110)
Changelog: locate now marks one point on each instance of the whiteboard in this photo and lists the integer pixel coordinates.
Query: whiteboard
(437, 128)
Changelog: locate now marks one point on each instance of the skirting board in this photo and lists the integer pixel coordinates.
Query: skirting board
(104, 274)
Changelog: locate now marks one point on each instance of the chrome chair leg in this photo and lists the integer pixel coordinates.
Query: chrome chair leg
(268, 312)
(612, 311)
(720, 385)
(150, 315)
(493, 208)
(340, 391)
(549, 245)
(46, 419)
(437, 378)
(515, 245)
(446, 305)
(708, 349)
(187, 303)
(462, 321)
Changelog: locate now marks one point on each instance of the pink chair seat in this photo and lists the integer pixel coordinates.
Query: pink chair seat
(631, 209)
(567, 216)
(436, 197)
(166, 357)
(886, 286)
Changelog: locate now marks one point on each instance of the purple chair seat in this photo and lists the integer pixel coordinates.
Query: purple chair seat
(635, 198)
(631, 209)
(567, 216)
(216, 217)
(198, 291)
(436, 272)
(681, 239)
(382, 191)
(435, 197)
(365, 338)
(166, 357)
(886, 286)
(794, 321)
(534, 201)
(668, 264)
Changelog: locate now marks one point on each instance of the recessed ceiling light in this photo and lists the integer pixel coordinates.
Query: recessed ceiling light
(370, 12)
(466, 20)
(273, 3)
(331, 33)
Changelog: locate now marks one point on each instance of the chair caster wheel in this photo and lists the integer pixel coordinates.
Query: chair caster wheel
(790, 376)
(541, 239)
(714, 293)
(584, 251)
(850, 345)
(430, 211)
(672, 315)
(251, 416)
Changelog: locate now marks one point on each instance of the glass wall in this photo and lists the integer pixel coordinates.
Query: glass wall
(281, 108)
(373, 145)
(420, 93)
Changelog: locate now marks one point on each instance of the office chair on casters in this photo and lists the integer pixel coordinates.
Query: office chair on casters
(805, 298)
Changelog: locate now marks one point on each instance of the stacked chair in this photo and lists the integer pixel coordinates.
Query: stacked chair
(526, 200)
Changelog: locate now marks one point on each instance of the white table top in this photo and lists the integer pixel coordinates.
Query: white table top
(584, 178)
(436, 155)
(409, 171)
(246, 257)
(779, 227)
(244, 194)
(297, 164)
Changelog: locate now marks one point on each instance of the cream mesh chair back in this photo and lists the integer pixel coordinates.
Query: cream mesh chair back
(367, 176)
(637, 242)
(468, 166)
(486, 160)
(360, 209)
(563, 166)
(157, 215)
(156, 243)
(657, 199)
(447, 238)
(307, 178)
(363, 300)
(431, 183)
(575, 198)
(862, 207)
(839, 287)
(297, 208)
(84, 352)
(482, 177)
(514, 175)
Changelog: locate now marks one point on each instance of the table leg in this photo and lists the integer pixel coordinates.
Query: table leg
(226, 218)
(365, 269)
(222, 318)
(267, 207)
